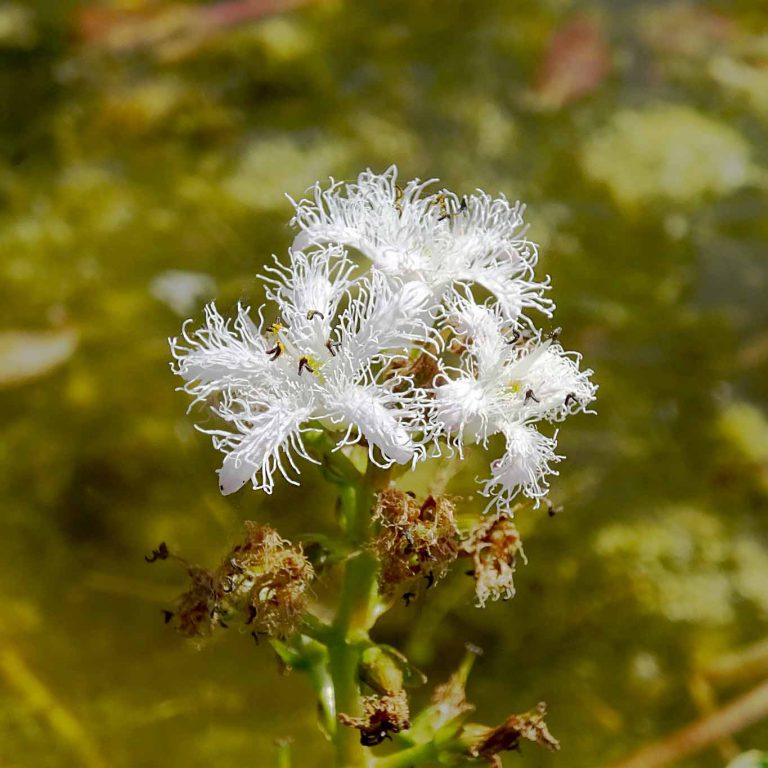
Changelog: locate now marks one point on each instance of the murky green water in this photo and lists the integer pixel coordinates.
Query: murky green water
(142, 139)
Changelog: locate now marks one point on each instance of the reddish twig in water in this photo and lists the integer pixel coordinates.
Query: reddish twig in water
(732, 718)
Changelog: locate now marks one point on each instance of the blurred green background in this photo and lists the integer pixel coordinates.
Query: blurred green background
(145, 147)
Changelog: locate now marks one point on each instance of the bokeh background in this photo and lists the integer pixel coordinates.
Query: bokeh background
(145, 146)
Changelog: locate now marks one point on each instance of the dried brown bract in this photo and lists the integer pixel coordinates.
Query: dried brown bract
(494, 546)
(383, 715)
(507, 736)
(415, 539)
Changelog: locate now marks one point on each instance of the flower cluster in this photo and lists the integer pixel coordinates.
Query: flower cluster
(401, 321)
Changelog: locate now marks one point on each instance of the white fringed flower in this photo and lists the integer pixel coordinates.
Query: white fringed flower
(438, 239)
(275, 385)
(502, 383)
(523, 467)
(350, 342)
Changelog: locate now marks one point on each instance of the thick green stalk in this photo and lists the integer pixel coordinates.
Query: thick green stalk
(410, 757)
(349, 632)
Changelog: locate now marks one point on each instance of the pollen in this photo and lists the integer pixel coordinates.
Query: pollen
(276, 351)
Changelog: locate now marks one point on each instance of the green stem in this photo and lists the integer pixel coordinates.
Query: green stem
(354, 617)
(408, 758)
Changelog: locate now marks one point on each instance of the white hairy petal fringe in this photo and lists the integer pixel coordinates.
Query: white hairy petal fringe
(523, 468)
(265, 440)
(388, 420)
(308, 291)
(220, 352)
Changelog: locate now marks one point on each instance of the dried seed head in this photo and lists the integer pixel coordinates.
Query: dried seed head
(382, 716)
(199, 607)
(263, 581)
(415, 539)
(507, 736)
(267, 580)
(494, 546)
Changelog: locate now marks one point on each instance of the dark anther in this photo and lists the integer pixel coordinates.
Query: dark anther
(515, 337)
(571, 398)
(430, 577)
(167, 615)
(276, 351)
(222, 624)
(552, 510)
(555, 334)
(304, 364)
(313, 313)
(429, 505)
(470, 572)
(255, 636)
(411, 494)
(407, 597)
(530, 396)
(445, 207)
(161, 553)
(329, 345)
(251, 614)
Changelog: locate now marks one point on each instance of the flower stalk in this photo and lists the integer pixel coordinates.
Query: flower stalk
(354, 618)
(400, 332)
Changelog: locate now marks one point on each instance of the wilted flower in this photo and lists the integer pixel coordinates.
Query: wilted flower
(383, 715)
(267, 579)
(507, 736)
(199, 608)
(263, 582)
(494, 546)
(415, 539)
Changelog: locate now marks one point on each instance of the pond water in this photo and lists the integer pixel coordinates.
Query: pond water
(145, 147)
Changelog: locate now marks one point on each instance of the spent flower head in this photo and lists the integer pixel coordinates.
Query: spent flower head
(415, 539)
(263, 583)
(494, 546)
